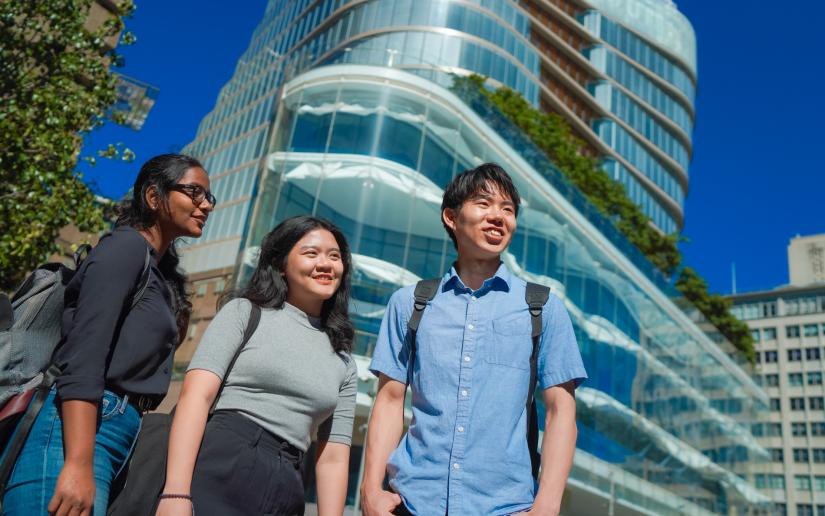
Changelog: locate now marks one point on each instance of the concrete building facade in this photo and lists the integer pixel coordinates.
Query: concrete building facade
(806, 260)
(788, 325)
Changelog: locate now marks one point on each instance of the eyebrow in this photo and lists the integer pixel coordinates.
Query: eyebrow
(306, 247)
(487, 196)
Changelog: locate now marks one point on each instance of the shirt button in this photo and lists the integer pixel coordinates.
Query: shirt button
(464, 392)
(466, 359)
(460, 429)
(470, 326)
(473, 298)
(456, 465)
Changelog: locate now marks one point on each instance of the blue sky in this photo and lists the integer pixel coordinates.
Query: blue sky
(755, 178)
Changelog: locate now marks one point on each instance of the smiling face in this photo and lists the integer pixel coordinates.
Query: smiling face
(314, 268)
(484, 224)
(182, 216)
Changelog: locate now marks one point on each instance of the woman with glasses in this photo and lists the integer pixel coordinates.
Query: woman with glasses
(294, 376)
(126, 310)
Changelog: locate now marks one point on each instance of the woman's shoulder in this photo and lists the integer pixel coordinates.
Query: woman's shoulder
(123, 249)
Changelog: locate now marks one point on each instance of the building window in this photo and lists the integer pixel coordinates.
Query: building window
(774, 429)
(760, 481)
(769, 333)
(818, 428)
(777, 481)
(819, 455)
(800, 455)
(811, 330)
(777, 455)
(772, 380)
(819, 483)
(771, 356)
(804, 509)
(799, 429)
(756, 430)
(193, 330)
(201, 291)
(776, 404)
(220, 285)
(815, 378)
(795, 379)
(792, 332)
(755, 335)
(820, 510)
(802, 482)
(779, 509)
(794, 355)
(812, 354)
(816, 403)
(797, 403)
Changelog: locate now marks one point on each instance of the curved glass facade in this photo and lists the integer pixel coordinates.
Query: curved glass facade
(433, 39)
(372, 148)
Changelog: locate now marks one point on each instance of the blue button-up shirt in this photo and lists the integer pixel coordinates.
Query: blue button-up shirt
(466, 449)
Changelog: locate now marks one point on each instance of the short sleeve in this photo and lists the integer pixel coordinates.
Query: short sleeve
(338, 427)
(560, 360)
(222, 338)
(391, 353)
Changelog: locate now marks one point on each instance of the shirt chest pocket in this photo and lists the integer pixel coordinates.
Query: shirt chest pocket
(509, 343)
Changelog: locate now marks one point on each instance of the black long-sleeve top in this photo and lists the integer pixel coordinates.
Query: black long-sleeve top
(92, 354)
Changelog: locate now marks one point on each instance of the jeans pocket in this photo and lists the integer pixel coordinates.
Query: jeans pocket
(109, 405)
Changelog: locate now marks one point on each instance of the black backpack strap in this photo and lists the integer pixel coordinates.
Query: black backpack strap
(536, 297)
(144, 280)
(24, 426)
(425, 291)
(251, 326)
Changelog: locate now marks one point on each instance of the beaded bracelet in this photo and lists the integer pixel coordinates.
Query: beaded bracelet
(169, 495)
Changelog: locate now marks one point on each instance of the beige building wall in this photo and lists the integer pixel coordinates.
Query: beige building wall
(788, 325)
(806, 260)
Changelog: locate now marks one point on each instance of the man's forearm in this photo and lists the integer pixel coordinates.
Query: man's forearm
(557, 447)
(383, 433)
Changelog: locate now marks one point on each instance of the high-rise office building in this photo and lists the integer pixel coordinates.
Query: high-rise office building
(788, 325)
(347, 110)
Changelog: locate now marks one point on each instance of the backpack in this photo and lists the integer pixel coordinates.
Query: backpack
(536, 297)
(30, 329)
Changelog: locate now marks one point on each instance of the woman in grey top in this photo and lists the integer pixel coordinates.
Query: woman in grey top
(294, 375)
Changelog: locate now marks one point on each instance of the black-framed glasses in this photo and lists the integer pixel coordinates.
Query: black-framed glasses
(196, 192)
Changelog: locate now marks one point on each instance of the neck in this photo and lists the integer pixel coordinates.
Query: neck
(473, 271)
(157, 239)
(311, 307)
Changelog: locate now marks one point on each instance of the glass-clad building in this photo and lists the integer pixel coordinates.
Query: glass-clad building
(351, 111)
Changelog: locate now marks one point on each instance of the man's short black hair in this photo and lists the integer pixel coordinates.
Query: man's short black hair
(471, 182)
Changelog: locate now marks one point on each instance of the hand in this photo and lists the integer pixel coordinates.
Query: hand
(174, 507)
(536, 511)
(377, 502)
(75, 491)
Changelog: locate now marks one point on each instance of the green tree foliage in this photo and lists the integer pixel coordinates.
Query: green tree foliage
(551, 133)
(55, 85)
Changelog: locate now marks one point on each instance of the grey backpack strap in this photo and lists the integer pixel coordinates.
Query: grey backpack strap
(425, 291)
(536, 297)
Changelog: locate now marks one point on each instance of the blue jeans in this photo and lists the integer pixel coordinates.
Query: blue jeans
(34, 478)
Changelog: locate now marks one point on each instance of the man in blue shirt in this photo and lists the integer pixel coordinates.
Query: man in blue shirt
(466, 449)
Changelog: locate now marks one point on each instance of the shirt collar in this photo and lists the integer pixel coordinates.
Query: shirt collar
(501, 280)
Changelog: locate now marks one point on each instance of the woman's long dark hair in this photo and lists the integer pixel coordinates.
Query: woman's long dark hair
(161, 172)
(267, 288)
